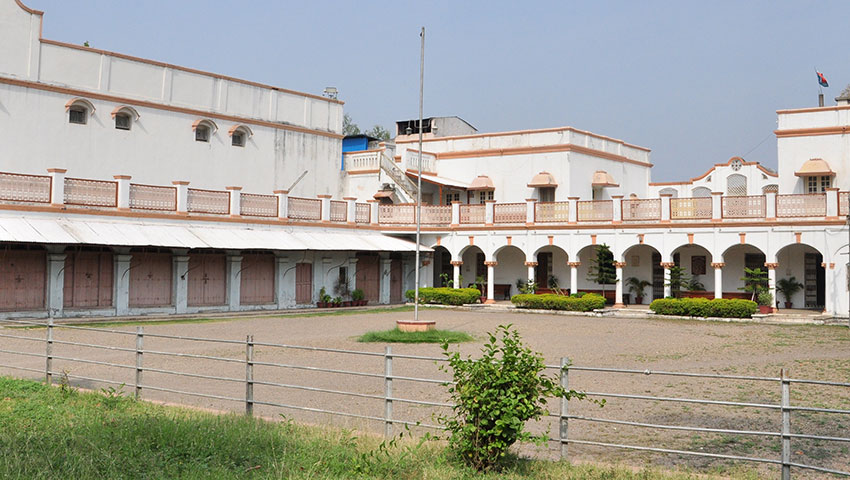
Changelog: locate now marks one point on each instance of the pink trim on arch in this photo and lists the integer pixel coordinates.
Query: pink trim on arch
(246, 128)
(204, 120)
(82, 100)
(132, 111)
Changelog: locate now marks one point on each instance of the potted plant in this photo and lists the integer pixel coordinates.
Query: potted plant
(765, 301)
(336, 302)
(636, 287)
(357, 296)
(322, 303)
(481, 285)
(342, 291)
(788, 287)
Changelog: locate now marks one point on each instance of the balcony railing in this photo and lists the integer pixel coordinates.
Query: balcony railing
(369, 161)
(406, 214)
(339, 211)
(753, 206)
(153, 197)
(646, 209)
(362, 213)
(91, 193)
(429, 161)
(305, 209)
(844, 203)
(595, 211)
(213, 202)
(696, 208)
(253, 205)
(472, 214)
(806, 205)
(552, 212)
(436, 214)
(15, 187)
(509, 213)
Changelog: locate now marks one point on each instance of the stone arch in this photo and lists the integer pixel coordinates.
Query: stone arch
(552, 269)
(804, 262)
(442, 265)
(473, 258)
(643, 262)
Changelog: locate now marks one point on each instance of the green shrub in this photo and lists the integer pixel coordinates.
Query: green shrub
(551, 301)
(703, 307)
(494, 396)
(445, 295)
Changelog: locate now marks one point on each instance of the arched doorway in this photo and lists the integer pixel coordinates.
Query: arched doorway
(443, 269)
(736, 258)
(695, 262)
(473, 270)
(643, 263)
(510, 271)
(552, 270)
(803, 264)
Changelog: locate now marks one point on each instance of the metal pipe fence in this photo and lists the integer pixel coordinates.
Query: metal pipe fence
(262, 384)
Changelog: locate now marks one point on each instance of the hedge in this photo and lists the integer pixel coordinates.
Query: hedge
(551, 301)
(703, 307)
(445, 295)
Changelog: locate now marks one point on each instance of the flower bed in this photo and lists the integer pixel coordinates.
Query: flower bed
(703, 307)
(549, 301)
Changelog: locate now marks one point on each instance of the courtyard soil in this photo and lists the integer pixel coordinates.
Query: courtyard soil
(812, 352)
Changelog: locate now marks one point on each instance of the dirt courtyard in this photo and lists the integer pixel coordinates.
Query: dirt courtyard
(808, 352)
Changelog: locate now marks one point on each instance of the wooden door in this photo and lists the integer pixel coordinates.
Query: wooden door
(369, 276)
(23, 275)
(150, 280)
(207, 279)
(257, 279)
(543, 270)
(304, 283)
(88, 279)
(396, 280)
(657, 277)
(814, 281)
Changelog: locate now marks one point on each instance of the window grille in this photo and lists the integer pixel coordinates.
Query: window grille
(202, 133)
(736, 185)
(238, 139)
(77, 115)
(122, 121)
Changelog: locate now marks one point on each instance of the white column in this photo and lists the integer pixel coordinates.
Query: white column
(181, 284)
(123, 191)
(489, 206)
(350, 210)
(574, 277)
(456, 264)
(530, 209)
(282, 204)
(668, 290)
(531, 267)
(618, 288)
(829, 297)
(373, 211)
(385, 280)
(235, 201)
(771, 279)
(718, 279)
(665, 206)
(182, 195)
(57, 185)
(770, 206)
(455, 213)
(491, 277)
(122, 284)
(326, 207)
(234, 281)
(284, 270)
(573, 209)
(55, 284)
(716, 206)
(618, 208)
(831, 203)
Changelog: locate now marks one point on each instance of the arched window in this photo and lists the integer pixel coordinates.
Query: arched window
(772, 188)
(79, 110)
(239, 135)
(701, 192)
(204, 130)
(736, 185)
(124, 117)
(669, 191)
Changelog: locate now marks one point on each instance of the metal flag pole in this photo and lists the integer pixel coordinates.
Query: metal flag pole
(419, 174)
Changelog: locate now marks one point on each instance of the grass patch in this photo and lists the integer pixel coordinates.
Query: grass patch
(431, 336)
(51, 433)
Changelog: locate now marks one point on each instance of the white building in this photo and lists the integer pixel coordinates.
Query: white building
(164, 189)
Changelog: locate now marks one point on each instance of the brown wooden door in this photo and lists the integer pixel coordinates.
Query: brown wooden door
(257, 279)
(303, 283)
(22, 279)
(88, 279)
(150, 280)
(396, 281)
(369, 276)
(207, 279)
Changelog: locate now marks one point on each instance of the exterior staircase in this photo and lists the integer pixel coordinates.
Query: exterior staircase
(399, 177)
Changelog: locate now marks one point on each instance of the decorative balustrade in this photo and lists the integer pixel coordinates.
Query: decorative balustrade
(696, 208)
(254, 205)
(153, 197)
(552, 212)
(844, 203)
(362, 213)
(397, 214)
(15, 187)
(363, 161)
(595, 210)
(214, 202)
(509, 213)
(645, 209)
(304, 208)
(472, 214)
(339, 211)
(753, 206)
(429, 162)
(805, 205)
(436, 214)
(91, 193)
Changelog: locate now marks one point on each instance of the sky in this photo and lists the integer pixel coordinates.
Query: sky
(697, 82)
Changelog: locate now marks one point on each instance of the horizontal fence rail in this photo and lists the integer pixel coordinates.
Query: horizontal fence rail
(254, 205)
(208, 201)
(15, 187)
(153, 197)
(91, 193)
(362, 213)
(248, 374)
(696, 208)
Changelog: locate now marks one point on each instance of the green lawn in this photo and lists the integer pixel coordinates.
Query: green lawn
(53, 432)
(431, 336)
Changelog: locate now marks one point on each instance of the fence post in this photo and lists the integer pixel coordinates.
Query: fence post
(388, 403)
(565, 405)
(786, 424)
(48, 354)
(249, 375)
(140, 338)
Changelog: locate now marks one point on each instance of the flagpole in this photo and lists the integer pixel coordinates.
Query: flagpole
(419, 174)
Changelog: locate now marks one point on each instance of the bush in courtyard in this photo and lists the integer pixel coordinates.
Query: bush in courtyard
(703, 307)
(495, 396)
(445, 296)
(550, 301)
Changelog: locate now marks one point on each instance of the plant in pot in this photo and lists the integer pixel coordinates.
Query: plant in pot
(336, 302)
(358, 297)
(324, 298)
(755, 282)
(765, 301)
(788, 287)
(636, 288)
(481, 285)
(342, 290)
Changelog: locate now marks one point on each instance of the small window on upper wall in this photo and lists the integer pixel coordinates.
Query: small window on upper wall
(239, 135)
(547, 194)
(204, 130)
(122, 121)
(124, 116)
(78, 114)
(238, 139)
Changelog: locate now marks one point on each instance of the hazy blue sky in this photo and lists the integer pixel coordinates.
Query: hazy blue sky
(697, 82)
